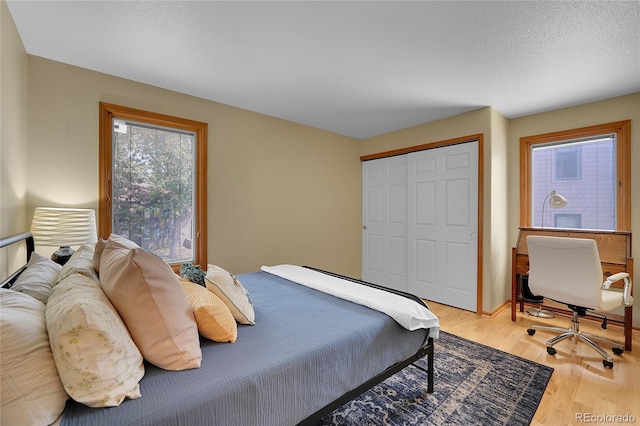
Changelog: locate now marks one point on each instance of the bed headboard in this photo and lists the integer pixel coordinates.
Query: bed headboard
(12, 248)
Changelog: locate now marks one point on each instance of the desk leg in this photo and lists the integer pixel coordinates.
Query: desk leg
(628, 327)
(514, 285)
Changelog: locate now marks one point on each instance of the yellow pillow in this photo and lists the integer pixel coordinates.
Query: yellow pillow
(214, 319)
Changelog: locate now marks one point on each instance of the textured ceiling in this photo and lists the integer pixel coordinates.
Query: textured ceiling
(352, 67)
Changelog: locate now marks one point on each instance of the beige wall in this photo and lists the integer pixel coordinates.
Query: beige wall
(470, 123)
(278, 192)
(13, 127)
(497, 254)
(607, 111)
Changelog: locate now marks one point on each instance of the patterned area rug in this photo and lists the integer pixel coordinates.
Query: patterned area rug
(474, 385)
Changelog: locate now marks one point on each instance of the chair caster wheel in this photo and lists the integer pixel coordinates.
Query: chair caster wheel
(531, 331)
(607, 364)
(617, 351)
(551, 351)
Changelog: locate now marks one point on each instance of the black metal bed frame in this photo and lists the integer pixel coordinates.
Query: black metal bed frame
(4, 242)
(426, 348)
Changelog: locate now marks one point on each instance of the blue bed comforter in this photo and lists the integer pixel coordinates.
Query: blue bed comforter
(306, 349)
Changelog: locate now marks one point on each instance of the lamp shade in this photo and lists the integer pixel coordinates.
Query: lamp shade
(57, 227)
(557, 201)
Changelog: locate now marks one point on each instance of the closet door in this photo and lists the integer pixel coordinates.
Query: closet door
(442, 224)
(384, 220)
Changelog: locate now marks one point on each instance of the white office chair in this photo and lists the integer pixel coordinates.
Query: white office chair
(568, 270)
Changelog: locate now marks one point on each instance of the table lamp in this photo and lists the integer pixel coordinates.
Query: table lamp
(556, 201)
(63, 228)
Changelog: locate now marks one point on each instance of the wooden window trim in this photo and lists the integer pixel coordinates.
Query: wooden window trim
(622, 129)
(107, 113)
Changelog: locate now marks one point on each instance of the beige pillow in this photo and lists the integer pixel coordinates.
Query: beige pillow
(31, 392)
(232, 292)
(97, 254)
(39, 277)
(98, 363)
(99, 247)
(81, 262)
(123, 241)
(214, 319)
(149, 298)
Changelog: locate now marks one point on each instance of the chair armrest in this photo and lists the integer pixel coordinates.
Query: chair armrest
(613, 278)
(626, 292)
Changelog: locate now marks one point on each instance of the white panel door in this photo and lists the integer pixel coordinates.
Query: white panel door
(442, 224)
(384, 220)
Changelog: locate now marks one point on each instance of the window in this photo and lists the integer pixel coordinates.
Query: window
(153, 174)
(590, 167)
(562, 220)
(568, 162)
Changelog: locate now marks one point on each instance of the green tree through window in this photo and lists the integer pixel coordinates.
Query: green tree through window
(153, 188)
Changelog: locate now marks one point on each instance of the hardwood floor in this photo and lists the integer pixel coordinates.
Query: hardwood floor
(580, 388)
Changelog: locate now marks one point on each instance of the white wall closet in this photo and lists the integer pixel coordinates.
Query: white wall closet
(420, 220)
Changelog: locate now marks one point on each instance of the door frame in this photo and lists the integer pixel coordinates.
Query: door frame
(455, 141)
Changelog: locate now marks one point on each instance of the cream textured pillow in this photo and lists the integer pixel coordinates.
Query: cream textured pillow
(232, 292)
(31, 392)
(39, 277)
(98, 363)
(149, 298)
(214, 319)
(81, 262)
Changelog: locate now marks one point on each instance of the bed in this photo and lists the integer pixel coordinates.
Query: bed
(307, 353)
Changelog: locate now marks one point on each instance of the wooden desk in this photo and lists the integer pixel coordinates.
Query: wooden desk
(615, 255)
